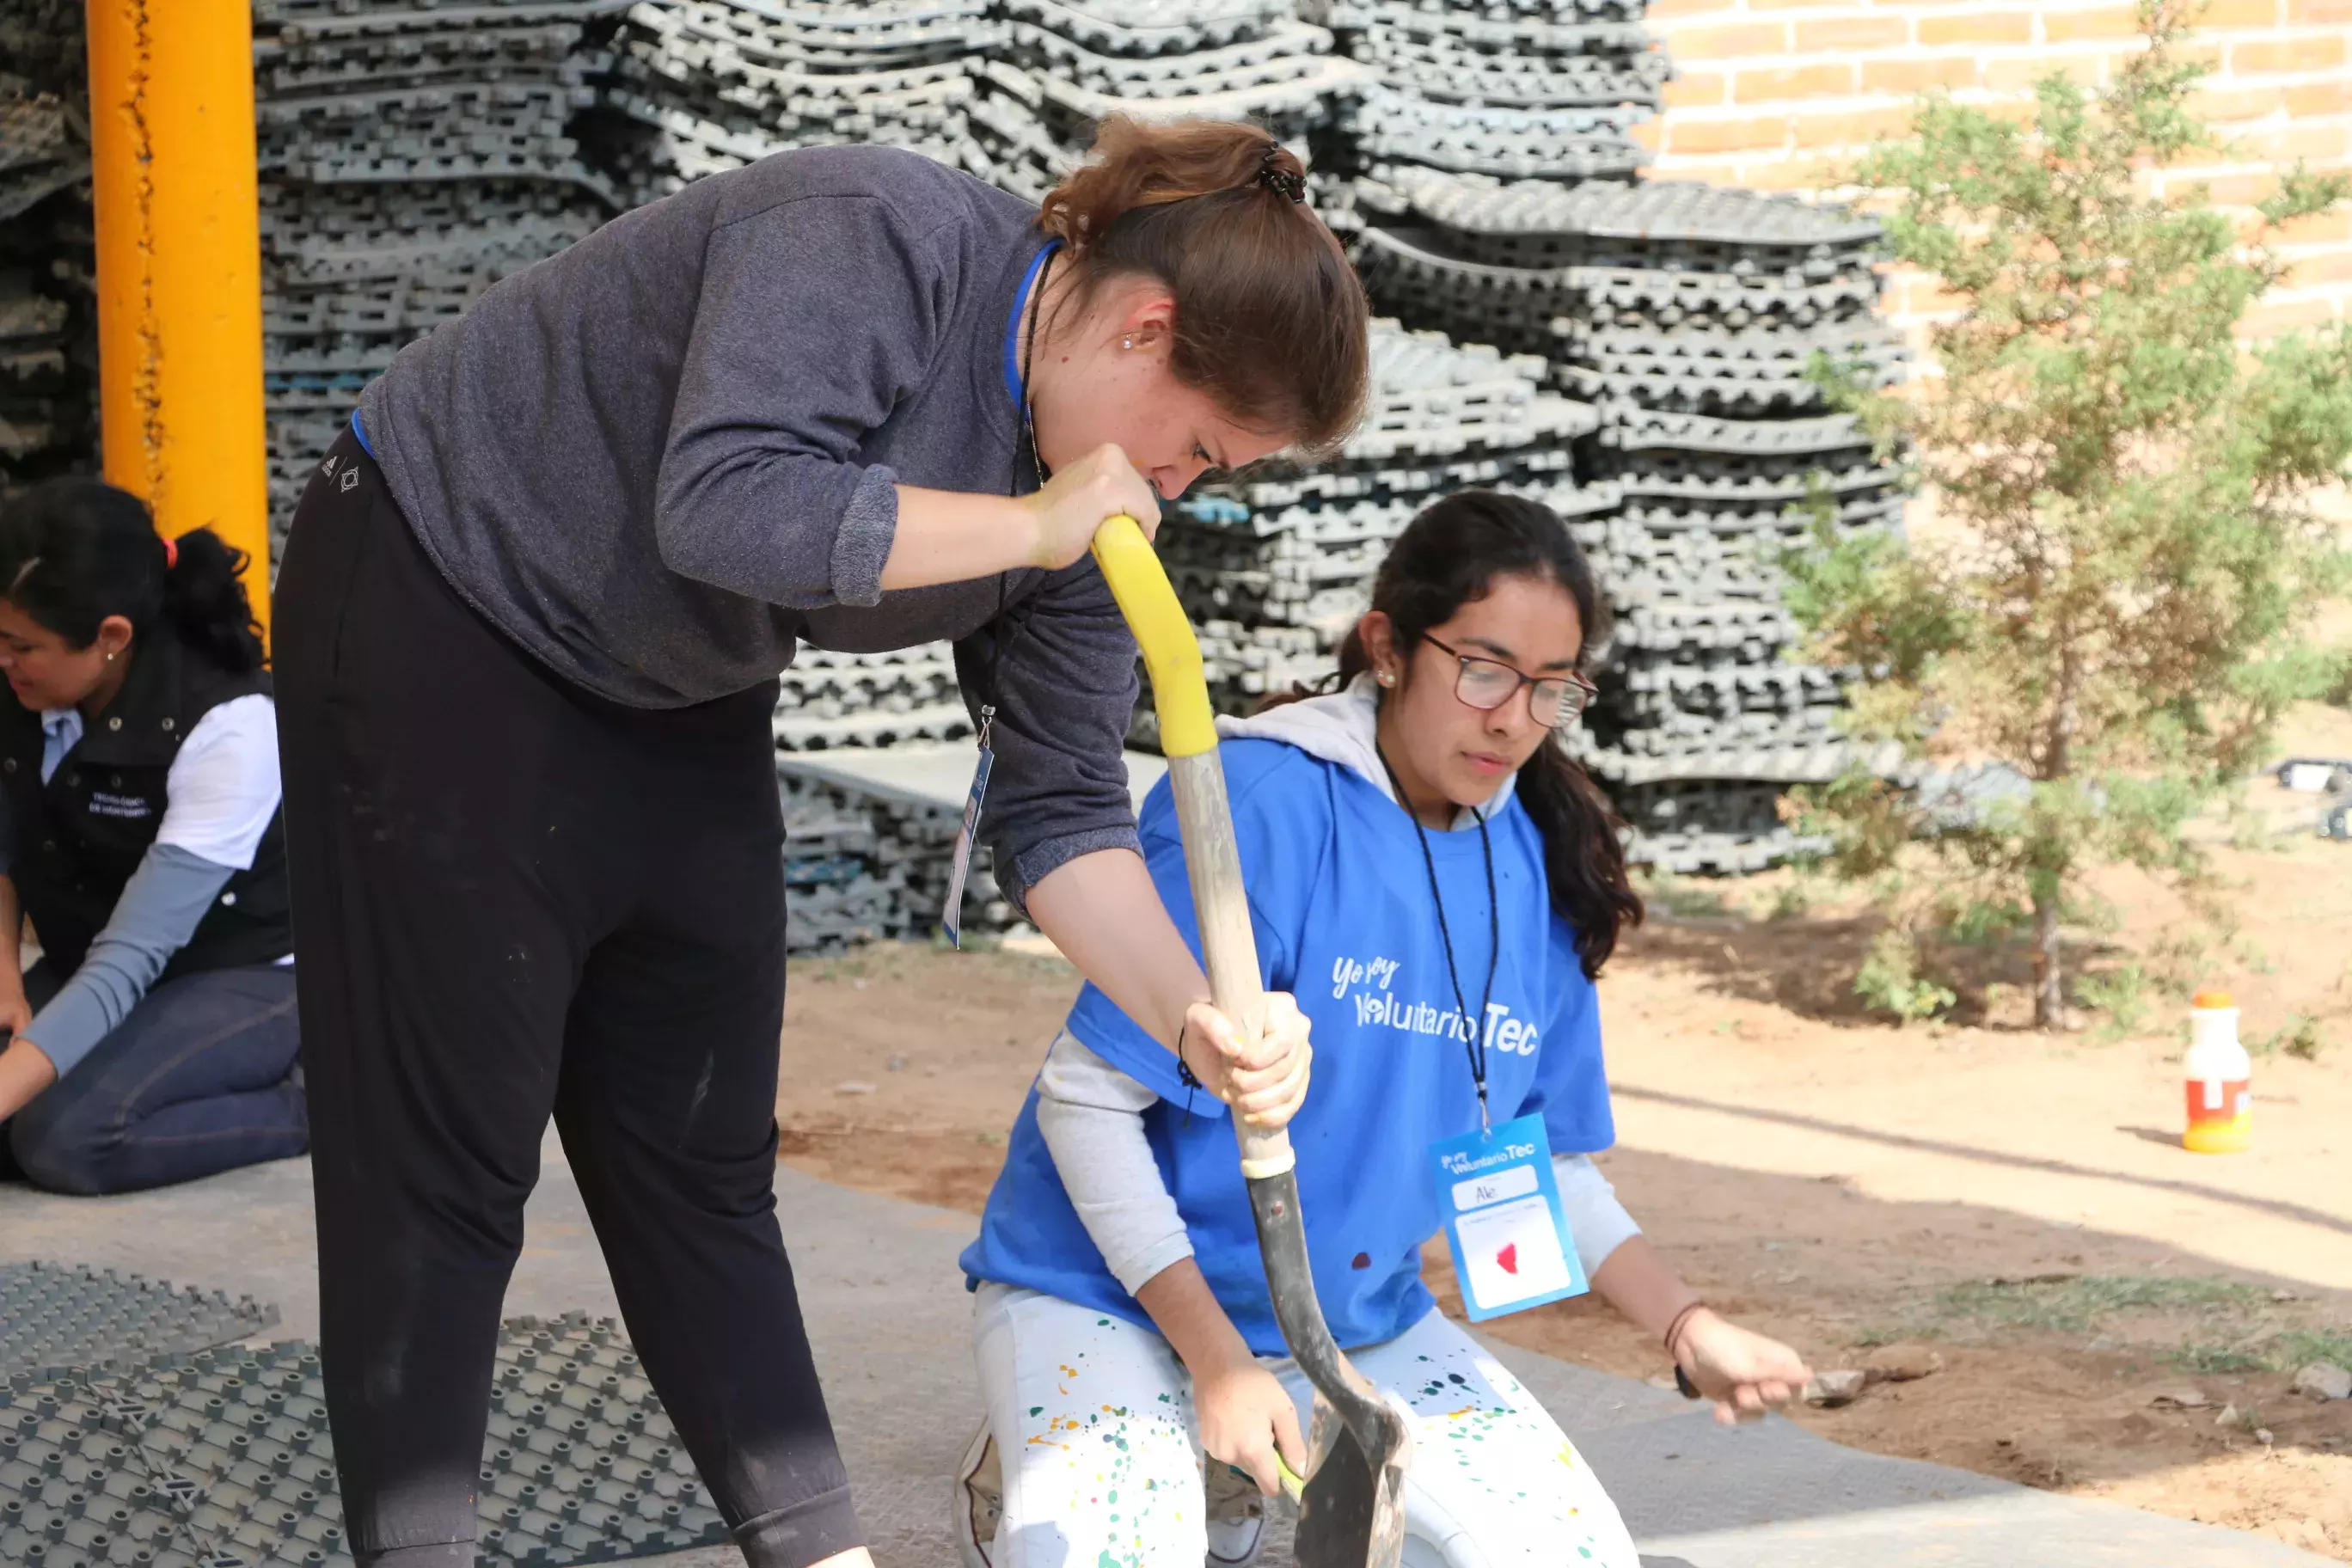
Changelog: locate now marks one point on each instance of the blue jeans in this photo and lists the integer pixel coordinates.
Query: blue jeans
(198, 1079)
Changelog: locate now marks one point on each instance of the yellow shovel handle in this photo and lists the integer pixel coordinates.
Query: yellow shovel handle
(1178, 689)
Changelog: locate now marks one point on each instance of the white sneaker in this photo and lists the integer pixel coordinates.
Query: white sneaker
(1236, 1516)
(979, 1501)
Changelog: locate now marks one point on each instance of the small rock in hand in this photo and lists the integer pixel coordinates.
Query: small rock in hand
(1831, 1389)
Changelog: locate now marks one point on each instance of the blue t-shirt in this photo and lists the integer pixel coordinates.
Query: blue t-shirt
(1339, 897)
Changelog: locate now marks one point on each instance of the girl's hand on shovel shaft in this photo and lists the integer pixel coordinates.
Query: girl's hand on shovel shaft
(1245, 1417)
(1264, 1079)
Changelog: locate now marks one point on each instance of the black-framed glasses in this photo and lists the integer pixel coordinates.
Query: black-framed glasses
(1488, 683)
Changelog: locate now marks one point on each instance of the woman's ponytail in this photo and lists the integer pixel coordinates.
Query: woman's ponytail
(206, 601)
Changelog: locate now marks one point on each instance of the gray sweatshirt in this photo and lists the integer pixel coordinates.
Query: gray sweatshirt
(660, 458)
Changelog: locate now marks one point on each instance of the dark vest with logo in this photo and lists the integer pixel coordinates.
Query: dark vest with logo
(79, 837)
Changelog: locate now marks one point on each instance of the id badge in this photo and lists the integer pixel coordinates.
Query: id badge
(951, 917)
(1503, 1220)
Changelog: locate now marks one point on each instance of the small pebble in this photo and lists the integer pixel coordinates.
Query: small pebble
(853, 1088)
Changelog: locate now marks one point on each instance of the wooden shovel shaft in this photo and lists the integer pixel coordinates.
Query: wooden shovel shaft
(1188, 735)
(1212, 863)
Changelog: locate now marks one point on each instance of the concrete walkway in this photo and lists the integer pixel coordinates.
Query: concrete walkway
(886, 1311)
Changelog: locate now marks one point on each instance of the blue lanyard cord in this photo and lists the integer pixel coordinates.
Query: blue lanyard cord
(1016, 381)
(1016, 365)
(1475, 1042)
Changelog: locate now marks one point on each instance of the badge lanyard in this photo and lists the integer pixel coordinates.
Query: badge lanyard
(1004, 631)
(1474, 1029)
(1505, 1224)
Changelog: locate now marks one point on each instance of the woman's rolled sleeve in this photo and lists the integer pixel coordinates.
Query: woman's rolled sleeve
(816, 317)
(1065, 691)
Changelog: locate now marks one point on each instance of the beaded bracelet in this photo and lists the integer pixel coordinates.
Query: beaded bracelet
(1673, 1332)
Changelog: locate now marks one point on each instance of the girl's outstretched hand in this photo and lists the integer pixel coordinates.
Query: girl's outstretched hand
(1744, 1372)
(1244, 1417)
(1262, 1079)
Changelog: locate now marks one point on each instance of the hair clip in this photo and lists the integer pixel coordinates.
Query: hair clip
(1273, 177)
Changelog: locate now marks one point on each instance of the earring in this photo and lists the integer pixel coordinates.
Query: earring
(1127, 343)
(1387, 678)
(110, 659)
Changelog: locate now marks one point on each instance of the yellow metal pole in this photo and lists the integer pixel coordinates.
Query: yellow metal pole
(179, 267)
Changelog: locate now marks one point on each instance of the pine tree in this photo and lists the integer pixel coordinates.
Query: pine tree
(2114, 609)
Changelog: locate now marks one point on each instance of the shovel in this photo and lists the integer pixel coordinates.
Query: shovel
(1351, 1507)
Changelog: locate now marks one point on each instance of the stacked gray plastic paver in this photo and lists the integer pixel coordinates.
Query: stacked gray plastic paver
(1516, 88)
(832, 701)
(411, 155)
(1695, 320)
(54, 1316)
(865, 861)
(699, 86)
(49, 319)
(223, 1460)
(1277, 567)
(1065, 65)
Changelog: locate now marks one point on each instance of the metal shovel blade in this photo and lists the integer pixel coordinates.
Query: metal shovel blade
(1352, 1514)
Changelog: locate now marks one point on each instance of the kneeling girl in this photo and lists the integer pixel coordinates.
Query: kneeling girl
(1439, 884)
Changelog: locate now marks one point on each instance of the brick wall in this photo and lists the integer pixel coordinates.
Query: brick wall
(1782, 94)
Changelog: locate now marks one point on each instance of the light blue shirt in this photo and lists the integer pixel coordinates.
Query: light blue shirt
(61, 734)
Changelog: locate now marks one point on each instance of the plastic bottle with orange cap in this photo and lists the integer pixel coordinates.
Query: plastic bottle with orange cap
(2219, 1072)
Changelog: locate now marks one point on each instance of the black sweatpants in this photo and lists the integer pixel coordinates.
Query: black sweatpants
(513, 898)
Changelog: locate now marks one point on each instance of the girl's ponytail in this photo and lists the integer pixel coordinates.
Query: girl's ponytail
(1584, 858)
(206, 601)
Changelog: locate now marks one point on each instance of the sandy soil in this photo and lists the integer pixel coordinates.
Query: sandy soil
(1970, 1192)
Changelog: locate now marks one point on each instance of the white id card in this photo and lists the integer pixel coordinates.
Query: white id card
(1503, 1220)
(951, 917)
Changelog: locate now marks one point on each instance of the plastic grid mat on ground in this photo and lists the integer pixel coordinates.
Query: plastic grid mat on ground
(222, 1459)
(54, 1316)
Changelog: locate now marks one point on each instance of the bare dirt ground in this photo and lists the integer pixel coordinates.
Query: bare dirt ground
(2114, 1317)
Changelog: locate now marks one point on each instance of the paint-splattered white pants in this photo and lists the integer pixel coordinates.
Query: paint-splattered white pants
(1093, 1418)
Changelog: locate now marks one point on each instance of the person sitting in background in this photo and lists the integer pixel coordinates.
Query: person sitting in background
(155, 1041)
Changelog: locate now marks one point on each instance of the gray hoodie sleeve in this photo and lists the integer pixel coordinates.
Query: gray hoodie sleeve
(152, 920)
(1091, 1116)
(1597, 1223)
(815, 316)
(1066, 692)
